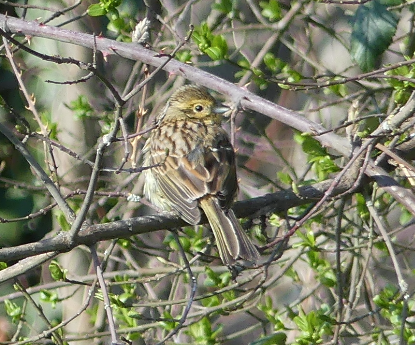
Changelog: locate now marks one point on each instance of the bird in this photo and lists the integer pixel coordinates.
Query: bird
(192, 169)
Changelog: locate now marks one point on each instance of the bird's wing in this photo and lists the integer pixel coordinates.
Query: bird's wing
(180, 195)
(208, 169)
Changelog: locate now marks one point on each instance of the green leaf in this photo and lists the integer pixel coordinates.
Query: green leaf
(81, 107)
(372, 32)
(49, 297)
(385, 299)
(124, 243)
(202, 332)
(215, 46)
(337, 89)
(61, 219)
(310, 146)
(185, 242)
(135, 315)
(103, 7)
(227, 7)
(271, 10)
(56, 271)
(292, 75)
(322, 162)
(212, 278)
(361, 207)
(273, 63)
(168, 325)
(46, 118)
(214, 53)
(224, 6)
(212, 301)
(404, 218)
(95, 10)
(184, 56)
(403, 87)
(279, 338)
(13, 310)
(328, 277)
(304, 322)
(308, 239)
(284, 178)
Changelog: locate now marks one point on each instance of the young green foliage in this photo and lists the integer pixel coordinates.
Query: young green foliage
(215, 46)
(373, 29)
(323, 164)
(203, 333)
(120, 23)
(394, 310)
(314, 326)
(271, 10)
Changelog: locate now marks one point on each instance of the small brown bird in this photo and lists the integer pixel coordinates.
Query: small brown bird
(193, 168)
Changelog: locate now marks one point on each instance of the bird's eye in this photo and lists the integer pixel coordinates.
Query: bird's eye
(199, 108)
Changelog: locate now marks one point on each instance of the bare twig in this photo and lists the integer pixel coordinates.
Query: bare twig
(193, 286)
(53, 190)
(107, 302)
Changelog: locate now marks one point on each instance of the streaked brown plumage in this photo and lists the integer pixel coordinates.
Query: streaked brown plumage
(194, 168)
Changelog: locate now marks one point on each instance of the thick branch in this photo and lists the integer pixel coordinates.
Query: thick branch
(275, 202)
(132, 51)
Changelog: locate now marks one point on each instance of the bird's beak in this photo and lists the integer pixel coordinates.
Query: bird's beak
(221, 109)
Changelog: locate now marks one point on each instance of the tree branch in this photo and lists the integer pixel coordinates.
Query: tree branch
(275, 202)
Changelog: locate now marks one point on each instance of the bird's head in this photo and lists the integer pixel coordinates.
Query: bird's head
(194, 103)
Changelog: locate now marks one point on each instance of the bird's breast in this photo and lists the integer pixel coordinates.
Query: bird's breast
(181, 138)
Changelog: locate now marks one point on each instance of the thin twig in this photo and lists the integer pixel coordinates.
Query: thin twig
(53, 190)
(192, 291)
(107, 301)
(403, 285)
(55, 335)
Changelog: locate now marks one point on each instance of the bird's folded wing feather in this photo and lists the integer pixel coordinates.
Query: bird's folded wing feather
(204, 171)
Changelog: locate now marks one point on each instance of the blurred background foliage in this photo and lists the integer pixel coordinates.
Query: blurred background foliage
(333, 282)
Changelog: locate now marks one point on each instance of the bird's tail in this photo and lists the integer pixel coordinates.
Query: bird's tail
(231, 239)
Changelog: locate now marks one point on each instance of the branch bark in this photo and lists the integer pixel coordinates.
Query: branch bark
(275, 202)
